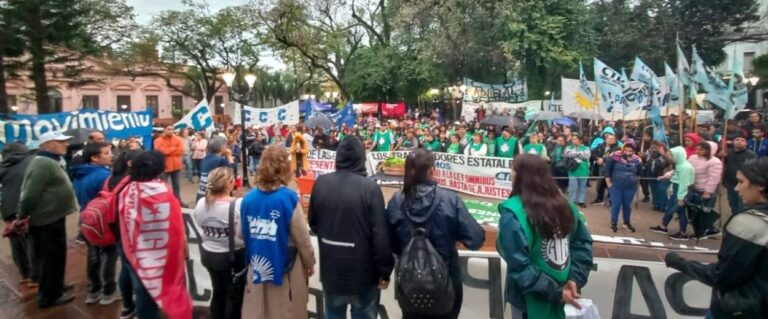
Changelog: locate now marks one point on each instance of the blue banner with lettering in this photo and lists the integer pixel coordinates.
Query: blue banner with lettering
(115, 125)
(346, 116)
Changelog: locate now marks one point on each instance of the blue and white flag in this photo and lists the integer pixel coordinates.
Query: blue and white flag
(683, 68)
(643, 73)
(702, 75)
(585, 98)
(346, 116)
(738, 85)
(198, 119)
(611, 86)
(675, 95)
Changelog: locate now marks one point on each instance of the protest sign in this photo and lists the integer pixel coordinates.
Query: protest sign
(115, 125)
(620, 288)
(513, 92)
(198, 118)
(468, 108)
(705, 116)
(286, 114)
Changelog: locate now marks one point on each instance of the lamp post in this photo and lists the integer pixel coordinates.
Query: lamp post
(546, 95)
(124, 107)
(14, 109)
(250, 79)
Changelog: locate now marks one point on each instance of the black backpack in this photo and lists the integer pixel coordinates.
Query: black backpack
(424, 285)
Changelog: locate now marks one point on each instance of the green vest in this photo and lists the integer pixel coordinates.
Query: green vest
(506, 148)
(491, 145)
(382, 140)
(433, 146)
(551, 257)
(536, 149)
(476, 148)
(454, 148)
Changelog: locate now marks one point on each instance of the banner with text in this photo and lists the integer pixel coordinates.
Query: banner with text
(115, 125)
(468, 109)
(619, 288)
(513, 92)
(286, 114)
(637, 95)
(198, 119)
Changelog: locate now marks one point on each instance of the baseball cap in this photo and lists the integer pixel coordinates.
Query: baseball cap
(53, 136)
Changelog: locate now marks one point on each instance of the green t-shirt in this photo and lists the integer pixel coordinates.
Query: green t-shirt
(383, 140)
(536, 149)
(433, 146)
(454, 148)
(506, 148)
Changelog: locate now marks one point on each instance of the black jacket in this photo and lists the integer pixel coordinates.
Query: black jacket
(739, 279)
(11, 178)
(256, 149)
(733, 162)
(447, 221)
(346, 211)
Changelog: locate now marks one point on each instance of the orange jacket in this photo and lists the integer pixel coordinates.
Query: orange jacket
(173, 149)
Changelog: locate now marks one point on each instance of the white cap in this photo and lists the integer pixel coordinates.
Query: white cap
(53, 136)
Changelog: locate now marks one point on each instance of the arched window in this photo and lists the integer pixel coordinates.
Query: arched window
(54, 99)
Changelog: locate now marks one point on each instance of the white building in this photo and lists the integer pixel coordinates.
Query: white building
(748, 51)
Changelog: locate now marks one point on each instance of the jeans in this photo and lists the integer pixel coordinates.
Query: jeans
(621, 199)
(146, 307)
(734, 200)
(101, 269)
(673, 208)
(227, 300)
(124, 281)
(21, 251)
(659, 193)
(253, 164)
(645, 186)
(174, 176)
(196, 162)
(577, 189)
(364, 305)
(188, 169)
(49, 244)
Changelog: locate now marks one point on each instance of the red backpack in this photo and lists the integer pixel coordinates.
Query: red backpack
(100, 214)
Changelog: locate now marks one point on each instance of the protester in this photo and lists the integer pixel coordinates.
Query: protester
(199, 147)
(534, 219)
(506, 144)
(758, 143)
(408, 142)
(172, 147)
(47, 197)
(737, 156)
(754, 121)
(739, 278)
(431, 143)
(691, 142)
(299, 151)
(219, 155)
(16, 159)
(490, 142)
(708, 172)
(653, 168)
(89, 180)
(422, 202)
(598, 156)
(383, 139)
(455, 146)
(681, 178)
(254, 151)
(476, 147)
(559, 171)
(222, 254)
(278, 248)
(535, 147)
(577, 177)
(187, 156)
(355, 256)
(622, 172)
(93, 137)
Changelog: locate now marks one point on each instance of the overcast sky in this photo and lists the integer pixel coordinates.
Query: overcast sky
(146, 9)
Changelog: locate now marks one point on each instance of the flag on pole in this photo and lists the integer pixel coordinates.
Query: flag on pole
(702, 75)
(675, 96)
(611, 86)
(643, 73)
(585, 98)
(739, 87)
(683, 68)
(198, 118)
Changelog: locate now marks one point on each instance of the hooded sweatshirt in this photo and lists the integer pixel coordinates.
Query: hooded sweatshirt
(691, 150)
(708, 172)
(600, 139)
(88, 180)
(346, 211)
(683, 174)
(11, 178)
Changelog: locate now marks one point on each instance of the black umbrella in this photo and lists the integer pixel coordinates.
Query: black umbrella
(702, 218)
(501, 121)
(79, 135)
(321, 121)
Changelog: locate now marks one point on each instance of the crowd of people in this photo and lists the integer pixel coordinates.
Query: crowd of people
(259, 254)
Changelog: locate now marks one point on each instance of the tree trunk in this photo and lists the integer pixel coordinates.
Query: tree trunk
(41, 83)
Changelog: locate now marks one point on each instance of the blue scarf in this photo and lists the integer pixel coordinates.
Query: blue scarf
(265, 220)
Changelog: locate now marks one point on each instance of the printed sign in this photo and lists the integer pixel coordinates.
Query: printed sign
(513, 92)
(198, 118)
(620, 288)
(286, 114)
(705, 116)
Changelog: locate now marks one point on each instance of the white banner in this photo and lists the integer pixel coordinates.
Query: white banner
(513, 92)
(620, 288)
(286, 114)
(468, 108)
(198, 118)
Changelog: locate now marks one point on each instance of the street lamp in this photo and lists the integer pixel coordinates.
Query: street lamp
(124, 107)
(250, 80)
(14, 108)
(753, 80)
(546, 95)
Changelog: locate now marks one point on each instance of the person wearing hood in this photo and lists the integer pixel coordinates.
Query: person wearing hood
(681, 178)
(708, 171)
(758, 143)
(16, 158)
(441, 211)
(622, 172)
(737, 156)
(691, 142)
(598, 155)
(346, 211)
(654, 167)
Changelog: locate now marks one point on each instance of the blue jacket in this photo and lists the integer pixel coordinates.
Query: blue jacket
(88, 180)
(760, 148)
(623, 173)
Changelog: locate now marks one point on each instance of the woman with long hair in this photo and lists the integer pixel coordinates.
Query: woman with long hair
(622, 172)
(739, 278)
(543, 239)
(222, 254)
(440, 211)
(278, 248)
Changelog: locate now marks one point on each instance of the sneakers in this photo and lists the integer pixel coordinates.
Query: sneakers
(92, 298)
(646, 199)
(711, 233)
(629, 227)
(80, 239)
(127, 313)
(111, 298)
(614, 228)
(679, 236)
(582, 205)
(65, 298)
(597, 202)
(660, 229)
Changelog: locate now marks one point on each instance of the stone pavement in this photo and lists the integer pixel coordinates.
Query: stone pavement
(18, 303)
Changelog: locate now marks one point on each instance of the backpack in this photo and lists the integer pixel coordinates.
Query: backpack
(100, 214)
(424, 285)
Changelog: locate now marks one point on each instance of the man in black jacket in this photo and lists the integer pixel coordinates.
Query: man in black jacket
(737, 155)
(599, 153)
(346, 211)
(16, 158)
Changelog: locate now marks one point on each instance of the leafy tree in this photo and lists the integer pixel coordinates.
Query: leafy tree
(760, 69)
(10, 46)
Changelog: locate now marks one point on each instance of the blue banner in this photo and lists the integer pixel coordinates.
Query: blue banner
(115, 125)
(346, 116)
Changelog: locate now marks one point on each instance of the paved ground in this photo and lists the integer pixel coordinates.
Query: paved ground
(19, 303)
